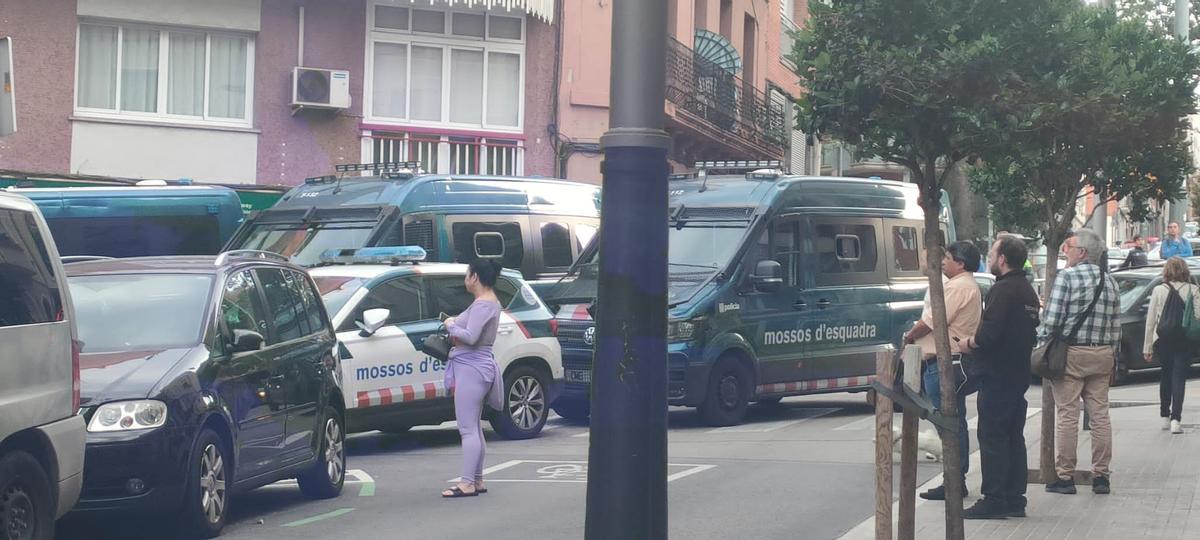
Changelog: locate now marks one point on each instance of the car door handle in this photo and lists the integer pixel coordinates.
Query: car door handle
(800, 305)
(505, 330)
(823, 303)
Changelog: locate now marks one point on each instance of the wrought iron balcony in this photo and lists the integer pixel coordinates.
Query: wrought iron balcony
(720, 98)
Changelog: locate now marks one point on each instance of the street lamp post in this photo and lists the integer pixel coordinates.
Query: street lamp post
(1178, 210)
(627, 454)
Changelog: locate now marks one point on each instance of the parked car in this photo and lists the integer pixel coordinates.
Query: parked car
(41, 436)
(203, 377)
(382, 312)
(1135, 286)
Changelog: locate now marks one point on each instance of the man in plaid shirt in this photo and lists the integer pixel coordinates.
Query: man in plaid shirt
(1089, 359)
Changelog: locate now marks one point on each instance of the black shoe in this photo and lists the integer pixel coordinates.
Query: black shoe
(1016, 511)
(1064, 487)
(987, 509)
(1100, 486)
(939, 493)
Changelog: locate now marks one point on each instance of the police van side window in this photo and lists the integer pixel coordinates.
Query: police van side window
(786, 249)
(28, 290)
(402, 297)
(465, 241)
(847, 252)
(906, 249)
(556, 245)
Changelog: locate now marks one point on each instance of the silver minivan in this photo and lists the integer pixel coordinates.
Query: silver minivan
(41, 434)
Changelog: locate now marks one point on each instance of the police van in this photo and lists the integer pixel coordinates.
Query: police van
(541, 225)
(779, 285)
(384, 301)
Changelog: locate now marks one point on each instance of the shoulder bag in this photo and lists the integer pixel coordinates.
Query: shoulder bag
(1049, 360)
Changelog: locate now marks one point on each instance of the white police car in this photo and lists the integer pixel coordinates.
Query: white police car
(383, 302)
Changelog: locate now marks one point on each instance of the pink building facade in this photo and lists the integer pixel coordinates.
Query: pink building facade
(173, 89)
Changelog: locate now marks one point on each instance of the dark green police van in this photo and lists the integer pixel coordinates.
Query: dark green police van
(778, 285)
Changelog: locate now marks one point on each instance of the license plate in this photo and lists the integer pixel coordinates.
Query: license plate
(579, 376)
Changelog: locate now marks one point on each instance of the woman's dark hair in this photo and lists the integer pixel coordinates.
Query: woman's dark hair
(487, 270)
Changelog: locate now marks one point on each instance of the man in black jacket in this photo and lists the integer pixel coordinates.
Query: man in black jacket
(1137, 256)
(1003, 344)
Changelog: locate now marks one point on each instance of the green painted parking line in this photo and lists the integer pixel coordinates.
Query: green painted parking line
(319, 517)
(367, 490)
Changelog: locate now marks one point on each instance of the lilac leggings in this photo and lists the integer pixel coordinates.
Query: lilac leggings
(469, 391)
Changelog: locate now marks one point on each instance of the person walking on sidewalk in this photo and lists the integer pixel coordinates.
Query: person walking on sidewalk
(472, 371)
(1174, 244)
(1002, 345)
(1137, 255)
(1174, 350)
(963, 309)
(1083, 291)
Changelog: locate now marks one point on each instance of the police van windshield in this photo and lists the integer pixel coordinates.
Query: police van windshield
(304, 243)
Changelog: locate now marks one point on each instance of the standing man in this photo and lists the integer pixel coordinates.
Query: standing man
(1090, 358)
(963, 308)
(1175, 244)
(1002, 345)
(1137, 255)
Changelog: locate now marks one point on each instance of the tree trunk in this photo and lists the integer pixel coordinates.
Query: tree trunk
(970, 209)
(952, 466)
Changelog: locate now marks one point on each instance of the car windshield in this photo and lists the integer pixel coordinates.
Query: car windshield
(304, 244)
(697, 251)
(140, 312)
(337, 290)
(1132, 288)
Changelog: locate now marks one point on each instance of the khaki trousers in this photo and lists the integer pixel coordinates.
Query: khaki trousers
(1089, 371)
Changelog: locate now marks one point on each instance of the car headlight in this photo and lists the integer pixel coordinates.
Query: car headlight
(684, 330)
(128, 415)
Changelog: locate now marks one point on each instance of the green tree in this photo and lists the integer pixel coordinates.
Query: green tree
(1159, 15)
(923, 83)
(1109, 115)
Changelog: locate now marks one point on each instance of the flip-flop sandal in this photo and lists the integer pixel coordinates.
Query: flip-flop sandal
(457, 492)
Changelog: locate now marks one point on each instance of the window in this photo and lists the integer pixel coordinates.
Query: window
(28, 289)
(845, 248)
(402, 297)
(140, 312)
(785, 249)
(137, 236)
(241, 305)
(290, 321)
(904, 246)
(458, 67)
(583, 235)
(449, 294)
(160, 74)
(556, 245)
(312, 305)
(464, 241)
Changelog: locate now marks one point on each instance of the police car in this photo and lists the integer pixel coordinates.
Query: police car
(384, 301)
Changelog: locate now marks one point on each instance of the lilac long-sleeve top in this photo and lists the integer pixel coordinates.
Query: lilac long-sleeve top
(474, 333)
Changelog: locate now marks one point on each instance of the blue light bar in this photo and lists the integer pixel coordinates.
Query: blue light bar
(374, 255)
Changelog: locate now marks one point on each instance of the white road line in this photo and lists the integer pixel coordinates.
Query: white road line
(584, 434)
(492, 469)
(767, 427)
(693, 470)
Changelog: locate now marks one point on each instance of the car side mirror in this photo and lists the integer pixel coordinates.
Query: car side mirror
(373, 320)
(246, 341)
(768, 276)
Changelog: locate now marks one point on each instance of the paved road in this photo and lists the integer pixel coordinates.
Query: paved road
(802, 469)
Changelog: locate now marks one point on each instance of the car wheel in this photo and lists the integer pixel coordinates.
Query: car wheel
(576, 410)
(728, 394)
(327, 476)
(526, 407)
(26, 510)
(207, 500)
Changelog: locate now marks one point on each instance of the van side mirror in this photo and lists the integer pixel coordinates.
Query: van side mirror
(373, 320)
(246, 341)
(489, 245)
(768, 276)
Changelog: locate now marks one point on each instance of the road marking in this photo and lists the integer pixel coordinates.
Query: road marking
(693, 470)
(767, 427)
(584, 434)
(570, 472)
(359, 476)
(319, 517)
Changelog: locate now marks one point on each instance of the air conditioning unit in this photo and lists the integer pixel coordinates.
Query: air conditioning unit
(320, 88)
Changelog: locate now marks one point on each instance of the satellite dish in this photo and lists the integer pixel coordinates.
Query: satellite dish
(717, 49)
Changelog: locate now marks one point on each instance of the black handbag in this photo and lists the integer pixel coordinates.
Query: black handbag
(1049, 360)
(437, 345)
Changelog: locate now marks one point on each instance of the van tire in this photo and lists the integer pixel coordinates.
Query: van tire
(328, 474)
(522, 382)
(25, 502)
(575, 410)
(728, 393)
(209, 455)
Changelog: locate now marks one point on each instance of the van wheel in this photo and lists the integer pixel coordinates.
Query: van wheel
(525, 398)
(728, 394)
(575, 410)
(26, 511)
(326, 477)
(206, 502)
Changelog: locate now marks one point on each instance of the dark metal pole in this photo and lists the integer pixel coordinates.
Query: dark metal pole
(627, 456)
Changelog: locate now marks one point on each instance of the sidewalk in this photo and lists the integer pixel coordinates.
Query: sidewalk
(1155, 481)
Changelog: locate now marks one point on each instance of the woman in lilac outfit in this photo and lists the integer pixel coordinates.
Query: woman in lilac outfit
(472, 372)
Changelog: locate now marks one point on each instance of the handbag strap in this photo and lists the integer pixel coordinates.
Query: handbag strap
(1091, 308)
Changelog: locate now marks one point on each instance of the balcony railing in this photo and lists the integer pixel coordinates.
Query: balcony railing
(708, 91)
(445, 154)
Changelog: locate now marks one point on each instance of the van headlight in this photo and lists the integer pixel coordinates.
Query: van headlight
(684, 329)
(128, 415)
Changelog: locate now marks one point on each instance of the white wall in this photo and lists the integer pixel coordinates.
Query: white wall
(221, 14)
(167, 153)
